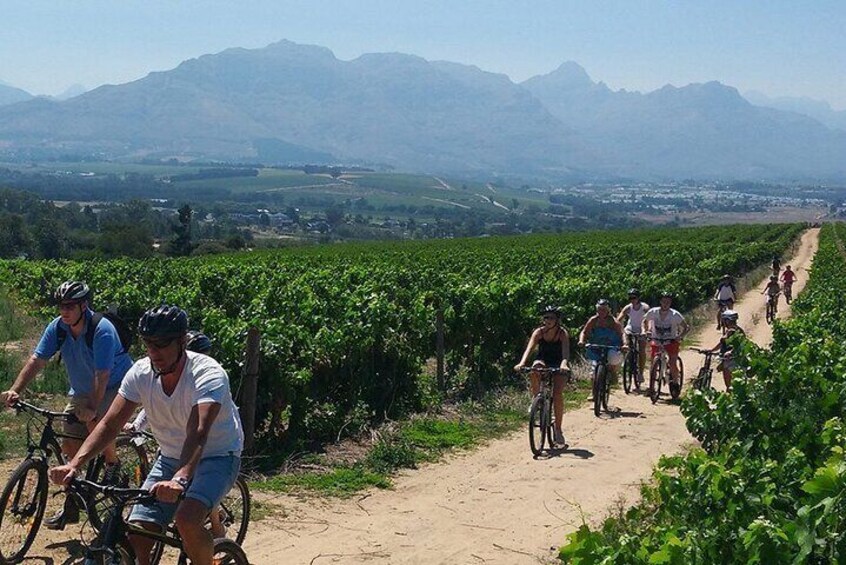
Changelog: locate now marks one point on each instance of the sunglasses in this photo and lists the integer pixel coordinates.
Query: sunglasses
(161, 343)
(550, 317)
(68, 305)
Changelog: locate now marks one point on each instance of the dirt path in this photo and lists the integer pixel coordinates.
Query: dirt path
(498, 504)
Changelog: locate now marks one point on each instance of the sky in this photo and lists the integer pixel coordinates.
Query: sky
(778, 47)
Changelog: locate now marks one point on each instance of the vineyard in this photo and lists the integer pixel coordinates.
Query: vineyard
(769, 483)
(347, 331)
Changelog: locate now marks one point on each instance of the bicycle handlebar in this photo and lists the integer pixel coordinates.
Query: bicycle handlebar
(598, 346)
(126, 494)
(543, 370)
(21, 406)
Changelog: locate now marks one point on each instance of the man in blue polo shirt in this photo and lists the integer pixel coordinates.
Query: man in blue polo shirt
(95, 371)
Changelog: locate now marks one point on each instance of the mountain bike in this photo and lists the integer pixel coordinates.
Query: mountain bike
(722, 305)
(702, 380)
(660, 372)
(772, 305)
(541, 419)
(601, 380)
(631, 364)
(112, 546)
(788, 292)
(24, 498)
(233, 512)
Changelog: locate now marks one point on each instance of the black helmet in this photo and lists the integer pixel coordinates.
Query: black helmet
(72, 291)
(163, 321)
(634, 292)
(603, 302)
(667, 294)
(198, 342)
(550, 309)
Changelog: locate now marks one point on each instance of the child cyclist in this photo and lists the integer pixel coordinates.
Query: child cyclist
(553, 350)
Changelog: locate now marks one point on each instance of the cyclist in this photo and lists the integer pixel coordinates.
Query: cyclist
(772, 291)
(728, 345)
(665, 322)
(776, 265)
(194, 420)
(553, 350)
(635, 310)
(788, 277)
(94, 374)
(725, 296)
(603, 329)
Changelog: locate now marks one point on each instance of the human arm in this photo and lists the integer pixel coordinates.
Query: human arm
(33, 366)
(103, 434)
(684, 328)
(586, 331)
(533, 341)
(565, 349)
(623, 313)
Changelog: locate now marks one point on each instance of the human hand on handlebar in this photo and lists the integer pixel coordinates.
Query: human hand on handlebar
(9, 397)
(63, 474)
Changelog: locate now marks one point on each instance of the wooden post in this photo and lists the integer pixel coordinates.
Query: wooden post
(439, 344)
(250, 388)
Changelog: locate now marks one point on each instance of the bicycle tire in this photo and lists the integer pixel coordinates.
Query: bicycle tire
(125, 555)
(133, 472)
(701, 378)
(227, 552)
(537, 435)
(546, 422)
(628, 374)
(598, 389)
(655, 380)
(235, 510)
(676, 389)
(29, 515)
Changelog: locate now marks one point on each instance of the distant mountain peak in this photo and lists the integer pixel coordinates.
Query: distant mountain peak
(568, 75)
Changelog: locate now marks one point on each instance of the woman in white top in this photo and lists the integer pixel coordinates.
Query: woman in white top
(635, 310)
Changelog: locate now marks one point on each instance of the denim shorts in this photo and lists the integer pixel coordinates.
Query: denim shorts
(213, 479)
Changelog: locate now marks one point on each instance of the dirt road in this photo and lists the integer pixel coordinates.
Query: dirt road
(498, 504)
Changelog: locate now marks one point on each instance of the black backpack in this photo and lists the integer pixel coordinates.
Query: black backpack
(123, 330)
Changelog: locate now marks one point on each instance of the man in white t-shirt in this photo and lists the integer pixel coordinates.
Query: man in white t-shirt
(667, 326)
(635, 310)
(189, 405)
(725, 296)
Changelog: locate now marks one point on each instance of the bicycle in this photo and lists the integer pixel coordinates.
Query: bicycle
(723, 305)
(788, 292)
(658, 372)
(702, 380)
(772, 305)
(112, 546)
(233, 510)
(24, 498)
(541, 419)
(601, 382)
(631, 364)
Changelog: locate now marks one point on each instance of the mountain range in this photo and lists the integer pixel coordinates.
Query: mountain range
(298, 103)
(820, 110)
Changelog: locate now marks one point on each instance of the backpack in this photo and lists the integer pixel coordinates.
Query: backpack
(123, 330)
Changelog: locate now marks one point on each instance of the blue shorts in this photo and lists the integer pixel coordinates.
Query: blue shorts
(213, 478)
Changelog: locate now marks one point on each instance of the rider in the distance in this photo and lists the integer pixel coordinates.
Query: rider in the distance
(553, 350)
(728, 345)
(788, 277)
(634, 312)
(725, 295)
(603, 329)
(772, 290)
(666, 323)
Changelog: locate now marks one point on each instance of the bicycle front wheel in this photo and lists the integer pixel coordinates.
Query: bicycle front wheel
(655, 380)
(598, 388)
(537, 432)
(22, 507)
(227, 552)
(234, 512)
(629, 371)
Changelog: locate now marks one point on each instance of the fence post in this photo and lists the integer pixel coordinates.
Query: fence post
(439, 344)
(248, 400)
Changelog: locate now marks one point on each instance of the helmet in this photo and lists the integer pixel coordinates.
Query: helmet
(163, 321)
(634, 292)
(603, 302)
(773, 278)
(730, 315)
(198, 342)
(550, 309)
(726, 276)
(667, 294)
(72, 291)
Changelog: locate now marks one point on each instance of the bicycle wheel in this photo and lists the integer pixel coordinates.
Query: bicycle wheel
(537, 433)
(629, 371)
(123, 555)
(546, 421)
(655, 380)
(676, 388)
(227, 552)
(134, 467)
(234, 511)
(701, 377)
(22, 507)
(598, 388)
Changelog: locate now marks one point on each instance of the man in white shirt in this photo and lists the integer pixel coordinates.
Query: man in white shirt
(635, 311)
(725, 296)
(667, 325)
(194, 419)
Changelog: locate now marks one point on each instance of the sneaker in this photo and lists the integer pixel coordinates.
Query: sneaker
(67, 515)
(558, 438)
(111, 475)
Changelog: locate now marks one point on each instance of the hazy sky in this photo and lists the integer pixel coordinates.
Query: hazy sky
(780, 47)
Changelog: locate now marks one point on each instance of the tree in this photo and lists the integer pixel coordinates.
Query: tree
(181, 243)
